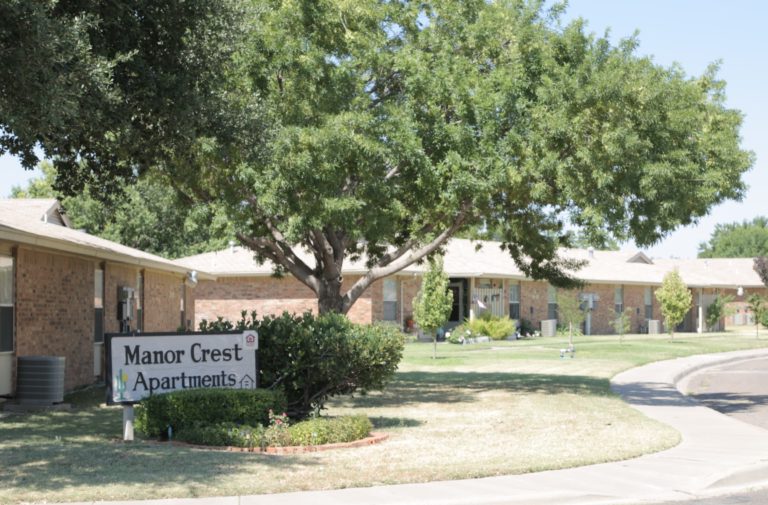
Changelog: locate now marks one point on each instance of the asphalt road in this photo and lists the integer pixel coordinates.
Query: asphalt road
(739, 390)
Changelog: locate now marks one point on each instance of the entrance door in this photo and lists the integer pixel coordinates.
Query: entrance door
(457, 311)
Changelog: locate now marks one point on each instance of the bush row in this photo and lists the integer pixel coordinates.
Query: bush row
(315, 431)
(198, 407)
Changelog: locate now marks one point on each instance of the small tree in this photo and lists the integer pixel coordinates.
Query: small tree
(622, 323)
(570, 311)
(759, 309)
(717, 310)
(434, 301)
(675, 300)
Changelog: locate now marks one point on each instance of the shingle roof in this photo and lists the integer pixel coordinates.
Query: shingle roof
(22, 221)
(464, 259)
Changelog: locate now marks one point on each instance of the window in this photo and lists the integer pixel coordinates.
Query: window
(98, 305)
(6, 304)
(618, 299)
(514, 301)
(648, 295)
(551, 302)
(390, 299)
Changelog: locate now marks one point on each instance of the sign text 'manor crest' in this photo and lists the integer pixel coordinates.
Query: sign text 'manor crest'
(147, 364)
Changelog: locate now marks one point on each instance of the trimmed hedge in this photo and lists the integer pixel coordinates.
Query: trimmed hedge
(197, 407)
(317, 431)
(324, 430)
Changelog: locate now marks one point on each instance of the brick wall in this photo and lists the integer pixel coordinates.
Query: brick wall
(739, 305)
(533, 295)
(162, 301)
(227, 297)
(410, 288)
(634, 299)
(54, 311)
(370, 306)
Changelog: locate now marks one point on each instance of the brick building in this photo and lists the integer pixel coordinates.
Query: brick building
(60, 291)
(483, 280)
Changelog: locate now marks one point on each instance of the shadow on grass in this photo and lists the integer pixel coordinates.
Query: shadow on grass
(49, 451)
(409, 388)
(380, 423)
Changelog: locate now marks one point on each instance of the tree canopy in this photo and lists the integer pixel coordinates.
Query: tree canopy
(384, 128)
(747, 239)
(148, 215)
(109, 89)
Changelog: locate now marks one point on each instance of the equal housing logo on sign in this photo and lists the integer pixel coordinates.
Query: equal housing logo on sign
(147, 364)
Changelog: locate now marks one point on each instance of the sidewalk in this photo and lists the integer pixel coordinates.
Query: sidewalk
(717, 454)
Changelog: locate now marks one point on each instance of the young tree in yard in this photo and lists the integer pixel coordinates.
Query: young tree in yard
(675, 299)
(757, 306)
(434, 301)
(717, 310)
(570, 311)
(622, 323)
(382, 129)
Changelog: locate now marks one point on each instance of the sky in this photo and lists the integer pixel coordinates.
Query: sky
(693, 33)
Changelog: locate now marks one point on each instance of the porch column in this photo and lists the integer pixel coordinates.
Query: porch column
(471, 298)
(700, 328)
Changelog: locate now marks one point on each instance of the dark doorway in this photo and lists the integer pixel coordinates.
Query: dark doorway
(459, 310)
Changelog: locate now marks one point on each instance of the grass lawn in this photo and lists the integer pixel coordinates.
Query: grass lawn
(477, 410)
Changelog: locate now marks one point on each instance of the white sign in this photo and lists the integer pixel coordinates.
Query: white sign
(147, 365)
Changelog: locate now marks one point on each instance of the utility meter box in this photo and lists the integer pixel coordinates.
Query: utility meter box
(125, 300)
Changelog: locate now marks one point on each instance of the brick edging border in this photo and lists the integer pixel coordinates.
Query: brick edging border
(374, 438)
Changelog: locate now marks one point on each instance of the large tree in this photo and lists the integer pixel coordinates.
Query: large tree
(394, 125)
(737, 240)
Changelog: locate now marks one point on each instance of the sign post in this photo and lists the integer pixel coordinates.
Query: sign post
(128, 423)
(139, 366)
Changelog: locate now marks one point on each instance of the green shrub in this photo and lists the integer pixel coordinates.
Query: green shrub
(459, 334)
(324, 430)
(526, 327)
(312, 358)
(223, 435)
(317, 431)
(200, 407)
(497, 328)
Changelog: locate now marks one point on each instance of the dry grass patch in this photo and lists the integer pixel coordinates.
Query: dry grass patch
(476, 411)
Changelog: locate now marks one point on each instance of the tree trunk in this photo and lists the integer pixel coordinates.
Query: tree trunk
(330, 298)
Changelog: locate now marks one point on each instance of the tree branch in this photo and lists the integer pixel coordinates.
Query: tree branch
(397, 264)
